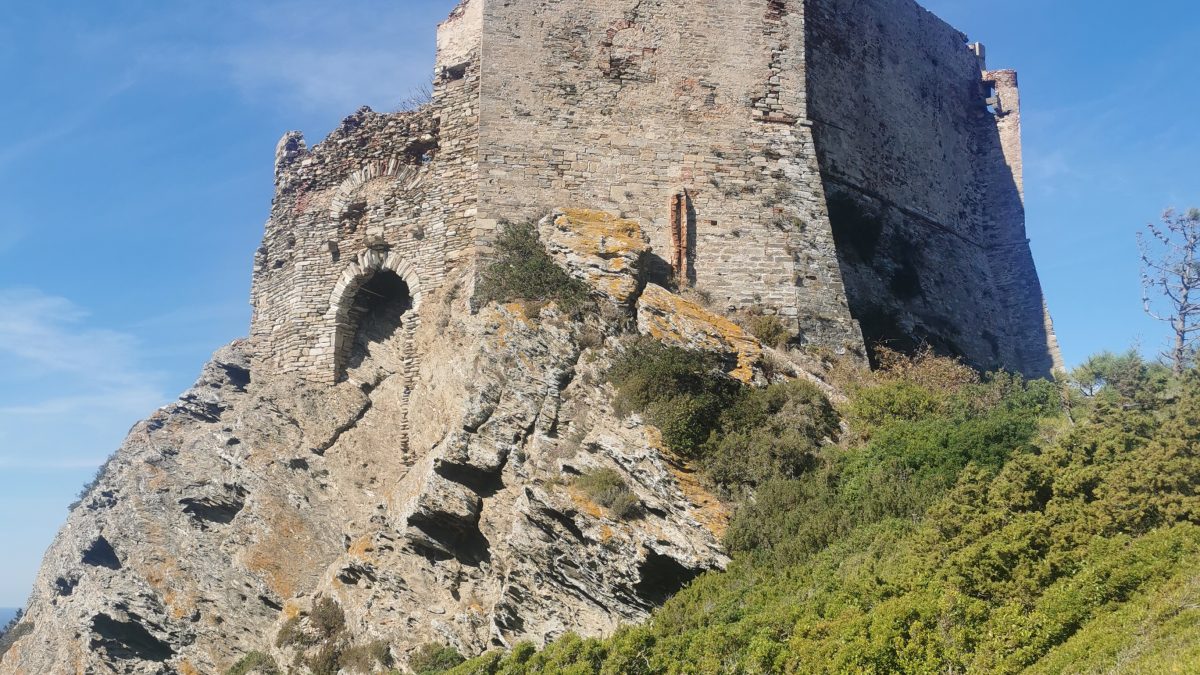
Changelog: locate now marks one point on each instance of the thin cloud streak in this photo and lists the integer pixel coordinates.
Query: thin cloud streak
(48, 347)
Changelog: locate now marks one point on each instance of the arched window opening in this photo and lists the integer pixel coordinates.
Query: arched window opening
(371, 333)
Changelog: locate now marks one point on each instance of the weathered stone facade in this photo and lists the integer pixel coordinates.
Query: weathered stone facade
(851, 167)
(922, 170)
(383, 191)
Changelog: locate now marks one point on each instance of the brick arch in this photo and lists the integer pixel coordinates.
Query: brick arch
(358, 272)
(343, 194)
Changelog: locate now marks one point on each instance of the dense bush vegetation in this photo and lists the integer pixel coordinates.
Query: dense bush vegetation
(742, 437)
(255, 662)
(679, 391)
(768, 328)
(523, 270)
(432, 658)
(964, 525)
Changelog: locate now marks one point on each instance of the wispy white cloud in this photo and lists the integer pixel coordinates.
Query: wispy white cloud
(318, 56)
(71, 388)
(49, 333)
(324, 79)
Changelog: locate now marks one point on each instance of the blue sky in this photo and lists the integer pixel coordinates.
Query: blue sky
(135, 176)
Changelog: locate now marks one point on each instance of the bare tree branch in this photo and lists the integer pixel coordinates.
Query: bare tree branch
(1171, 275)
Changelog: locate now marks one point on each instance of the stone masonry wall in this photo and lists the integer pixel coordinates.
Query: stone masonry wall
(834, 162)
(924, 203)
(625, 105)
(383, 191)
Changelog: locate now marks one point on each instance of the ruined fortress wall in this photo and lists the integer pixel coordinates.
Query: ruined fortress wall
(394, 191)
(624, 104)
(816, 159)
(927, 214)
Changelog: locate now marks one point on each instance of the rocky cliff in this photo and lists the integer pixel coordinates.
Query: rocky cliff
(228, 517)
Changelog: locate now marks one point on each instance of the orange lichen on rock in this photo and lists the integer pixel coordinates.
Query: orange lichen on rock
(707, 509)
(585, 504)
(362, 548)
(601, 233)
(676, 320)
(599, 248)
(163, 573)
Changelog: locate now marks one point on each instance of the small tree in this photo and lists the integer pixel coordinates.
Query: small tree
(12, 623)
(1171, 281)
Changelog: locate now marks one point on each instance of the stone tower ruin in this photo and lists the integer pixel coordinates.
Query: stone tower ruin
(851, 166)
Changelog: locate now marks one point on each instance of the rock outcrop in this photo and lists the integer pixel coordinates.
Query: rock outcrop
(600, 248)
(685, 323)
(433, 504)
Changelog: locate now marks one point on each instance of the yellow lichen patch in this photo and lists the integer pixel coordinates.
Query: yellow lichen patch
(600, 248)
(516, 309)
(584, 504)
(618, 287)
(606, 533)
(291, 610)
(712, 513)
(186, 668)
(672, 319)
(601, 233)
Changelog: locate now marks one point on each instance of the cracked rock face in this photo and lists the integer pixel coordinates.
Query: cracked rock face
(434, 503)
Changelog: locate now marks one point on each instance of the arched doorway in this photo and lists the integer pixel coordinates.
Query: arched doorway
(372, 322)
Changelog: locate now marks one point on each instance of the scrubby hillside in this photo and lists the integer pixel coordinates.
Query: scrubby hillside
(582, 442)
(960, 525)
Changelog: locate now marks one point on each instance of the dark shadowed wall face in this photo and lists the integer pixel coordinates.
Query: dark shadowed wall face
(923, 202)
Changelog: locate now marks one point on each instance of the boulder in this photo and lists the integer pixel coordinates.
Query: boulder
(598, 248)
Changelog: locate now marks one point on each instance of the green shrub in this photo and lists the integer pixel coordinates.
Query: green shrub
(769, 329)
(919, 442)
(607, 488)
(365, 658)
(327, 618)
(291, 634)
(899, 401)
(740, 436)
(433, 658)
(769, 433)
(327, 659)
(257, 662)
(681, 392)
(523, 270)
(1122, 378)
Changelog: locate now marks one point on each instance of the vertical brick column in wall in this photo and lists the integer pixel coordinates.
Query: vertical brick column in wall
(681, 239)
